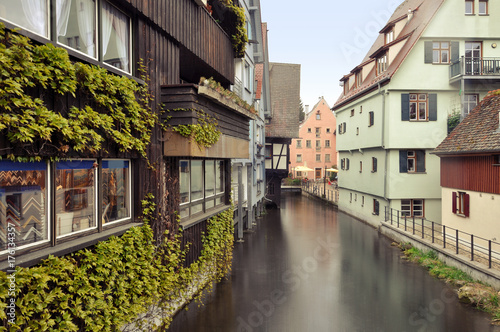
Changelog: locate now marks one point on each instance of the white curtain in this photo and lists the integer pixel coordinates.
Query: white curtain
(117, 22)
(62, 16)
(36, 15)
(86, 24)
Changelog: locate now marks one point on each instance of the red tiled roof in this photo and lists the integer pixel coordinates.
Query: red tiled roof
(478, 132)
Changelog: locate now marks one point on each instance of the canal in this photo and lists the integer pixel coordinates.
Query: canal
(308, 267)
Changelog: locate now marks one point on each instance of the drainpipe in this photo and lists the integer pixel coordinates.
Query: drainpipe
(462, 98)
(382, 93)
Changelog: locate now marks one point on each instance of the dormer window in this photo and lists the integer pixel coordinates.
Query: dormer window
(345, 84)
(381, 63)
(389, 36)
(359, 78)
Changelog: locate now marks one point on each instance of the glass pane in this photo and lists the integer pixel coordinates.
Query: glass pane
(209, 178)
(435, 56)
(219, 179)
(184, 180)
(422, 111)
(209, 204)
(23, 203)
(413, 96)
(29, 14)
(444, 56)
(75, 196)
(115, 36)
(115, 190)
(445, 45)
(411, 165)
(413, 111)
(468, 7)
(197, 208)
(76, 25)
(196, 180)
(184, 212)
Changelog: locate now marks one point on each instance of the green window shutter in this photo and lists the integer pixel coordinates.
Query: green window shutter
(432, 107)
(403, 161)
(455, 51)
(405, 107)
(428, 52)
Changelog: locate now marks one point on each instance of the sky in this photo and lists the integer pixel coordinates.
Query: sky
(328, 38)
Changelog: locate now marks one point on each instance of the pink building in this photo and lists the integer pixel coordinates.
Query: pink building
(315, 147)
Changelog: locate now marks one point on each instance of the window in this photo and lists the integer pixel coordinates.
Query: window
(412, 208)
(389, 36)
(441, 52)
(374, 164)
(77, 25)
(299, 144)
(318, 157)
(469, 7)
(115, 35)
(412, 161)
(357, 131)
(327, 143)
(269, 151)
(308, 144)
(116, 198)
(376, 207)
(299, 158)
(318, 132)
(248, 76)
(483, 7)
(470, 102)
(371, 118)
(31, 15)
(362, 200)
(419, 107)
(309, 130)
(381, 64)
(342, 128)
(318, 116)
(318, 144)
(327, 158)
(328, 130)
(359, 78)
(360, 166)
(360, 109)
(201, 186)
(344, 164)
(24, 197)
(461, 203)
(75, 185)
(298, 173)
(352, 112)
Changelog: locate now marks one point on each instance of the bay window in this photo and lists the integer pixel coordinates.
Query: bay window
(201, 186)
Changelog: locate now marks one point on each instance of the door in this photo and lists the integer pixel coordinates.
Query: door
(318, 173)
(473, 53)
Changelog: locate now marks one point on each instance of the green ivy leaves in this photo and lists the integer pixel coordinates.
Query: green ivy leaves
(116, 108)
(205, 133)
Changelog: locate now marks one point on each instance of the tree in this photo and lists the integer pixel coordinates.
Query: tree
(302, 115)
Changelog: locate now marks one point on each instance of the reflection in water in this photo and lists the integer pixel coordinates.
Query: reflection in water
(307, 267)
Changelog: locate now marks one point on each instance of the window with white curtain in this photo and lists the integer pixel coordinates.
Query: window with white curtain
(115, 36)
(32, 15)
(76, 25)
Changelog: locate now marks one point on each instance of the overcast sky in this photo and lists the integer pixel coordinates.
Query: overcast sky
(328, 38)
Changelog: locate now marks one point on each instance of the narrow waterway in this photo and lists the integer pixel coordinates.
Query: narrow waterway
(307, 267)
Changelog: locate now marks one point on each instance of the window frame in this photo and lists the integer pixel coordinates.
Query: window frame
(468, 102)
(486, 8)
(299, 144)
(438, 51)
(389, 36)
(420, 99)
(410, 207)
(469, 7)
(299, 157)
(308, 144)
(218, 197)
(419, 161)
(382, 64)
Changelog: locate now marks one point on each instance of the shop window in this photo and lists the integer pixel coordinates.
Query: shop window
(116, 200)
(23, 204)
(75, 185)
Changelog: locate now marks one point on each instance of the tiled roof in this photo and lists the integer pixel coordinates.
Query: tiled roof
(423, 11)
(478, 132)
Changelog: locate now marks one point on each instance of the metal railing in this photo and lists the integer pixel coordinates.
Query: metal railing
(473, 247)
(319, 189)
(475, 67)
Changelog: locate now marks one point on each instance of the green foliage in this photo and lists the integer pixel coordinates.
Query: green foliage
(119, 279)
(205, 132)
(214, 85)
(121, 113)
(453, 120)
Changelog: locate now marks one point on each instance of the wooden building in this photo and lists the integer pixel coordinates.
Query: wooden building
(470, 171)
(90, 194)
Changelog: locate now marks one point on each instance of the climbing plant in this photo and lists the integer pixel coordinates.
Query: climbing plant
(116, 108)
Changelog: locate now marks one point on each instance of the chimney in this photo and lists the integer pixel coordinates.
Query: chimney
(306, 109)
(410, 14)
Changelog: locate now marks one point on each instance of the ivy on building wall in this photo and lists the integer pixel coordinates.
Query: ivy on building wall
(120, 282)
(116, 108)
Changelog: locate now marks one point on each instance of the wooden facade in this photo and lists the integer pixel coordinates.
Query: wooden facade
(475, 173)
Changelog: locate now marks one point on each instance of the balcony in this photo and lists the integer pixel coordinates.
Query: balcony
(182, 103)
(475, 68)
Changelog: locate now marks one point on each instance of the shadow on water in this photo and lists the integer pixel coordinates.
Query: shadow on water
(307, 267)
